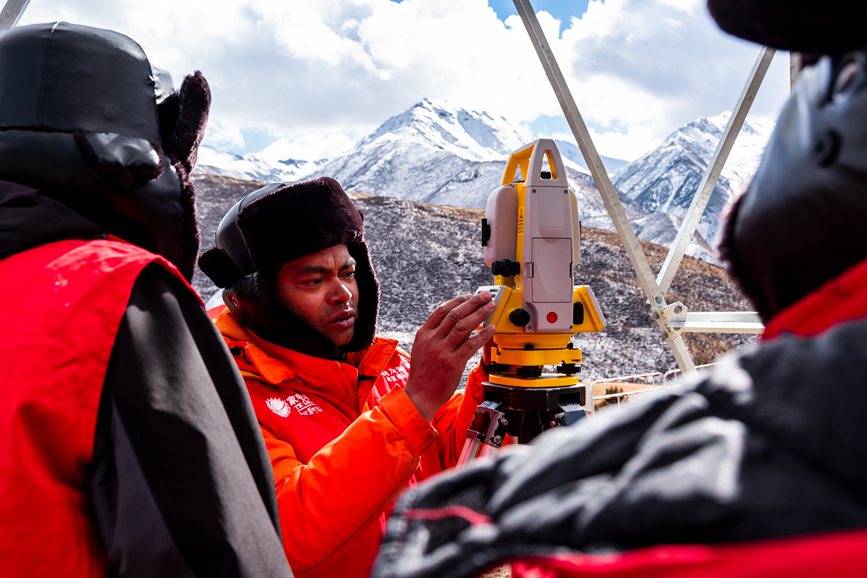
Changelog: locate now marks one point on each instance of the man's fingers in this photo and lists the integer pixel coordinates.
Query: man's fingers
(439, 314)
(483, 312)
(474, 342)
(467, 315)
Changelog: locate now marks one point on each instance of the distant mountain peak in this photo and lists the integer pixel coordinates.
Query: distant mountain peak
(666, 179)
(717, 124)
(467, 134)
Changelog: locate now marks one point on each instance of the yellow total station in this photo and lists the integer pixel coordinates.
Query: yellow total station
(531, 237)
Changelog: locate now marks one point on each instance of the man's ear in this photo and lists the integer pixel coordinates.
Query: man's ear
(183, 118)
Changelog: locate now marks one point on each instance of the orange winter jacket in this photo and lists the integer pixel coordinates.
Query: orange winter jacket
(344, 441)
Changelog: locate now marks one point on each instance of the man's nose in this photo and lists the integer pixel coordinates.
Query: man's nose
(340, 293)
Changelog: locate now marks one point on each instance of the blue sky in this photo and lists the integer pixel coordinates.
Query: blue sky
(309, 78)
(563, 10)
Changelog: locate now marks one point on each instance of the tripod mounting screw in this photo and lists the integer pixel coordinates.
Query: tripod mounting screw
(528, 371)
(569, 368)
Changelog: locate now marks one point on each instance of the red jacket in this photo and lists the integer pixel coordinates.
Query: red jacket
(345, 441)
(838, 554)
(62, 305)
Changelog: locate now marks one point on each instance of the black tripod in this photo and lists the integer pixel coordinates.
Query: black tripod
(521, 413)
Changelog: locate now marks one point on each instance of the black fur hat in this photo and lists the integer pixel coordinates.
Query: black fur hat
(84, 121)
(277, 224)
(297, 220)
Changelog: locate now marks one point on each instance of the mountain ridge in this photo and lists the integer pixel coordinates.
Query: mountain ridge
(437, 153)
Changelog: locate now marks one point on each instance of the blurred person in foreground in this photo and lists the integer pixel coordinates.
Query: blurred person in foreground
(348, 419)
(128, 444)
(757, 467)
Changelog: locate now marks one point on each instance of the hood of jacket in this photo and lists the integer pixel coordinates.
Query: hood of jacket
(799, 224)
(29, 219)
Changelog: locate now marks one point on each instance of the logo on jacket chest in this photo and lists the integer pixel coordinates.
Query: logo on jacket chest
(299, 402)
(395, 376)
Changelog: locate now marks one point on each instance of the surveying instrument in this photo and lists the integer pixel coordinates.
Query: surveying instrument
(531, 236)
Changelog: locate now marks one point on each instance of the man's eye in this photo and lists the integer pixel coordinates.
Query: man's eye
(312, 282)
(348, 274)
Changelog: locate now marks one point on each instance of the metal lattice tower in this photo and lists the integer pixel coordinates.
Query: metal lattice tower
(673, 319)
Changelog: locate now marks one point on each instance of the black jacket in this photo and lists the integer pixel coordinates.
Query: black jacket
(769, 444)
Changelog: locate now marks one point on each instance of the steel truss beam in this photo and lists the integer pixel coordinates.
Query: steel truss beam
(673, 319)
(12, 11)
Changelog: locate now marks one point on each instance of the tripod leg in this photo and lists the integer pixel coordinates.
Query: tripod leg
(485, 435)
(470, 451)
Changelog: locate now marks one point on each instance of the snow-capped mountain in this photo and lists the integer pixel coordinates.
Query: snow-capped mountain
(434, 153)
(250, 167)
(662, 182)
(475, 136)
(441, 154)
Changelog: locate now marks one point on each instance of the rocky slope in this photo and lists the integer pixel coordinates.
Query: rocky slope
(425, 254)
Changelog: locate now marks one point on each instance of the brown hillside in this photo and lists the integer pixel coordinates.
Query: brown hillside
(425, 254)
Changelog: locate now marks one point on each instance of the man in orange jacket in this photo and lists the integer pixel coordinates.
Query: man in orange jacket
(348, 422)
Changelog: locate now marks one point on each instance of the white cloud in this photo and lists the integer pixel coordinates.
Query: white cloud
(307, 70)
(308, 146)
(640, 69)
(221, 136)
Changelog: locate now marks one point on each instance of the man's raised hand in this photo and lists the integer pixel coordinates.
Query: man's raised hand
(442, 347)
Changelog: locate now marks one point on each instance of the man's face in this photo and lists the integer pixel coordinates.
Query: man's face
(321, 289)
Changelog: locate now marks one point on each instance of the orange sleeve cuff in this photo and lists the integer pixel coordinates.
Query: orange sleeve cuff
(401, 411)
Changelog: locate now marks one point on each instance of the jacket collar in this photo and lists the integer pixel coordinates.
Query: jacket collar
(264, 360)
(29, 219)
(842, 299)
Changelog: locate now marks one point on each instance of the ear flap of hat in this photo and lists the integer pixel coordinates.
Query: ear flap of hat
(800, 223)
(368, 303)
(219, 267)
(121, 161)
(728, 253)
(229, 259)
(183, 118)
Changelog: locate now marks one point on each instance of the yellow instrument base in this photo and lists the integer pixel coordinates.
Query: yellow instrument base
(546, 380)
